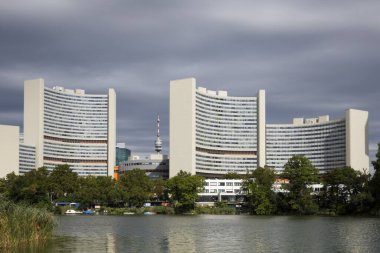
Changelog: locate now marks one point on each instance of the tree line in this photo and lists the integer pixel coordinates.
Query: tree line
(42, 188)
(345, 191)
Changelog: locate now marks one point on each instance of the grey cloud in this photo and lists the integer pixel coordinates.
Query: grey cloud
(321, 55)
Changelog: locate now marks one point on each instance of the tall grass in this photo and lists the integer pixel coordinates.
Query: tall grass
(21, 224)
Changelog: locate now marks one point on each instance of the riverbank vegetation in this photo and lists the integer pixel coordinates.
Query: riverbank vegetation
(345, 191)
(20, 224)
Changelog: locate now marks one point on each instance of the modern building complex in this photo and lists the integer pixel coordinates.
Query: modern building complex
(328, 144)
(212, 134)
(70, 127)
(64, 126)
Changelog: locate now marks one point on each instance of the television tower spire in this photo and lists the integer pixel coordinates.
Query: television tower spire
(158, 142)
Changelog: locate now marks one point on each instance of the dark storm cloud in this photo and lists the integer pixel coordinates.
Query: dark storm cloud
(323, 55)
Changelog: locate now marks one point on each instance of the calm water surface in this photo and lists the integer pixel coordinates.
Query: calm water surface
(208, 233)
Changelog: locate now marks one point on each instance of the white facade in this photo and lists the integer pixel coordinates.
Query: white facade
(70, 127)
(182, 126)
(322, 141)
(327, 144)
(9, 149)
(212, 134)
(222, 186)
(27, 157)
(357, 153)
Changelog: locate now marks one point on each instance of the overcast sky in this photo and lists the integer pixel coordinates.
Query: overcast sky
(312, 57)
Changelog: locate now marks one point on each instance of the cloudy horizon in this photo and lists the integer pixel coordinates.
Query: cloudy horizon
(312, 59)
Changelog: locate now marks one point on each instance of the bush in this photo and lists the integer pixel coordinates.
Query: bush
(20, 224)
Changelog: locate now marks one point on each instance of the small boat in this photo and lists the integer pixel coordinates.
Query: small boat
(72, 211)
(88, 212)
(149, 213)
(128, 213)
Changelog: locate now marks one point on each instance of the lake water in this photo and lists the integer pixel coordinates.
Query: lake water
(209, 233)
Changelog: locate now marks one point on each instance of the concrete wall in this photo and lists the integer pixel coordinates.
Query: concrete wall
(111, 131)
(182, 126)
(261, 129)
(34, 117)
(9, 149)
(357, 154)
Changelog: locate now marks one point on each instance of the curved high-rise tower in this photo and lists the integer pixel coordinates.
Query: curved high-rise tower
(70, 127)
(212, 133)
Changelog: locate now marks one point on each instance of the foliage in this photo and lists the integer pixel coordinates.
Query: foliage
(138, 187)
(346, 191)
(233, 175)
(261, 198)
(159, 190)
(184, 189)
(374, 184)
(98, 191)
(21, 224)
(32, 188)
(300, 173)
(62, 182)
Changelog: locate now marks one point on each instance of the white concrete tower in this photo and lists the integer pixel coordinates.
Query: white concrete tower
(357, 154)
(70, 127)
(158, 142)
(211, 133)
(182, 126)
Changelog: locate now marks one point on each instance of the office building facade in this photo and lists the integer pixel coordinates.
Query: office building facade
(212, 134)
(70, 127)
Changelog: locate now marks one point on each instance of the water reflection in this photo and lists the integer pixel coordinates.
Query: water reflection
(358, 235)
(212, 234)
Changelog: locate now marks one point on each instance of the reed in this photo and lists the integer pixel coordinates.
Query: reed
(21, 224)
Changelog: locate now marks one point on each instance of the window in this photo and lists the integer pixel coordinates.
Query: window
(230, 184)
(237, 184)
(222, 184)
(221, 190)
(213, 184)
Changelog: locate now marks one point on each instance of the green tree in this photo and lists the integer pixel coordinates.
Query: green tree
(63, 182)
(300, 173)
(184, 189)
(375, 180)
(103, 191)
(30, 188)
(159, 189)
(87, 193)
(261, 198)
(138, 187)
(346, 191)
